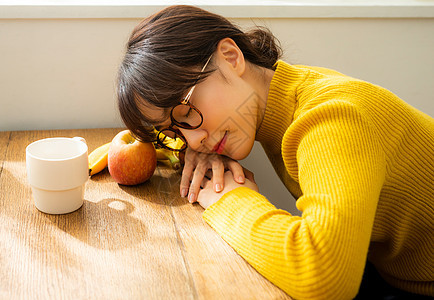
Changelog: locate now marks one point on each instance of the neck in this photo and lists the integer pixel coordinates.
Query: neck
(260, 81)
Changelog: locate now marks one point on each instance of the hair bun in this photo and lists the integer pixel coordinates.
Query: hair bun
(266, 45)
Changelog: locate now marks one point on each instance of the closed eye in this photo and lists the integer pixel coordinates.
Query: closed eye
(188, 112)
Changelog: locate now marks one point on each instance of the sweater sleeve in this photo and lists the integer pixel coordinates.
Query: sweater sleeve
(337, 158)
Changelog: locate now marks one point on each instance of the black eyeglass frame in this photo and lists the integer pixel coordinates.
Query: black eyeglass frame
(177, 132)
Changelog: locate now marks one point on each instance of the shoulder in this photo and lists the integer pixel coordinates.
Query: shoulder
(321, 70)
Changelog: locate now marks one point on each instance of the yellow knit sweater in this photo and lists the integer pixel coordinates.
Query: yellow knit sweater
(360, 162)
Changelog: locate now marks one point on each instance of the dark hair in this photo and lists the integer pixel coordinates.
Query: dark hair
(164, 53)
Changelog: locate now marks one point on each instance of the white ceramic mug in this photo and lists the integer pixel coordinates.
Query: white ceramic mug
(57, 171)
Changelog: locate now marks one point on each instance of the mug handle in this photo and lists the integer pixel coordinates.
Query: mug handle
(78, 138)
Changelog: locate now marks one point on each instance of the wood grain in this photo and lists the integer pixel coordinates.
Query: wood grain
(4, 141)
(139, 242)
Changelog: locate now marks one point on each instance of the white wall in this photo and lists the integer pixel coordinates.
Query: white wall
(60, 73)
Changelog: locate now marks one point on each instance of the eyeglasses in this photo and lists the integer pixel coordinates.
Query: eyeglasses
(184, 115)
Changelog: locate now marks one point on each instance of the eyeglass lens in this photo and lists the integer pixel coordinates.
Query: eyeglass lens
(186, 116)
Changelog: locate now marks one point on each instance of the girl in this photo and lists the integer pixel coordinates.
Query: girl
(357, 158)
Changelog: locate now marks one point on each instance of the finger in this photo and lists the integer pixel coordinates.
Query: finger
(198, 175)
(190, 157)
(218, 170)
(187, 173)
(205, 182)
(237, 171)
(249, 175)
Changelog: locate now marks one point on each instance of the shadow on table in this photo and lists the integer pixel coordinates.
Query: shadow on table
(109, 224)
(106, 224)
(162, 188)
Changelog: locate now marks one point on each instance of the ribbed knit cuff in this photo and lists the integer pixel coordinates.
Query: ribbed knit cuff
(236, 209)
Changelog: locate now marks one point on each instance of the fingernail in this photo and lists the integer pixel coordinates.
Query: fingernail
(184, 192)
(218, 187)
(191, 198)
(241, 179)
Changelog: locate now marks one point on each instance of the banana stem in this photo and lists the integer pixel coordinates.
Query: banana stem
(174, 161)
(171, 156)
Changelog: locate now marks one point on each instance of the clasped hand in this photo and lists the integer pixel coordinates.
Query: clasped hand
(207, 177)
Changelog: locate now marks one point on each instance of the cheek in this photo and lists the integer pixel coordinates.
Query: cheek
(226, 106)
(212, 101)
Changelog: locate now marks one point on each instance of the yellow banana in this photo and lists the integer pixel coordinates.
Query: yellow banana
(175, 143)
(166, 154)
(98, 159)
(171, 156)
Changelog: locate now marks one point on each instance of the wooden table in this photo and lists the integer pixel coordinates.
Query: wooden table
(139, 242)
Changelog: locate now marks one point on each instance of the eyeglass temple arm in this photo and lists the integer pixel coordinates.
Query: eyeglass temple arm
(187, 98)
(185, 101)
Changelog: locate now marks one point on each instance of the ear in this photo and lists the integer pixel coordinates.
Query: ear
(228, 51)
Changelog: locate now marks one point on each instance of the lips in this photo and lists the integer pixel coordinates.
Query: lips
(220, 145)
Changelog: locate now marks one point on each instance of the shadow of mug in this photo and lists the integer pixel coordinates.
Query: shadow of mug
(106, 224)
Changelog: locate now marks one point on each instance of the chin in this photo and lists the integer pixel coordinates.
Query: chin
(242, 152)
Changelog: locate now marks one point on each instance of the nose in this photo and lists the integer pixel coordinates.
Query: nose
(195, 138)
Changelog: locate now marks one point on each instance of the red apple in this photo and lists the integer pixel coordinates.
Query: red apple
(131, 162)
